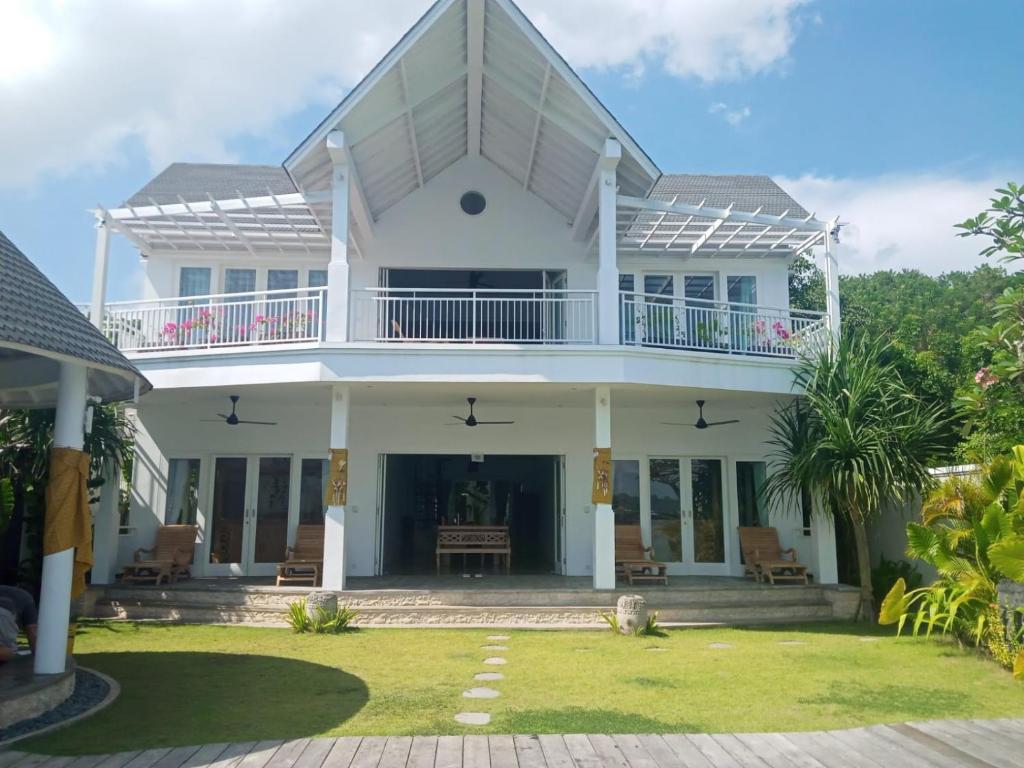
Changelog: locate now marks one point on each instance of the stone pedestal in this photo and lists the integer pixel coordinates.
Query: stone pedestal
(326, 600)
(631, 611)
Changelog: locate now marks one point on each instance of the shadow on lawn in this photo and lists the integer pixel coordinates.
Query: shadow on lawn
(182, 698)
(584, 720)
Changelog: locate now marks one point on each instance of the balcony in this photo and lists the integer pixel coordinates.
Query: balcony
(670, 322)
(397, 316)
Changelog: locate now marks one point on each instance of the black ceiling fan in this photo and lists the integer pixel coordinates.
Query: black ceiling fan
(232, 419)
(701, 422)
(471, 420)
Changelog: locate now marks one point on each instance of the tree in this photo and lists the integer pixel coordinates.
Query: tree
(857, 440)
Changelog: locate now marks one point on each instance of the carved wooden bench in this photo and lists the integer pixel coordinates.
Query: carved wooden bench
(474, 539)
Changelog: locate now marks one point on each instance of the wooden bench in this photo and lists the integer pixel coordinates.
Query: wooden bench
(633, 559)
(474, 540)
(766, 560)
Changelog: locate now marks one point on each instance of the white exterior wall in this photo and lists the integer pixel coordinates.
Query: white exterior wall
(174, 430)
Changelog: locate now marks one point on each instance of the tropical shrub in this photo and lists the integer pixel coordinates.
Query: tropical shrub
(323, 621)
(972, 533)
(887, 572)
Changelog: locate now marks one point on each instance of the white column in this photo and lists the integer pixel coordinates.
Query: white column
(338, 268)
(99, 273)
(106, 524)
(334, 524)
(823, 534)
(607, 264)
(604, 518)
(55, 591)
(832, 277)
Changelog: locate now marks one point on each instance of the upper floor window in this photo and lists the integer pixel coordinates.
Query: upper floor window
(239, 280)
(194, 281)
(317, 278)
(282, 279)
(742, 289)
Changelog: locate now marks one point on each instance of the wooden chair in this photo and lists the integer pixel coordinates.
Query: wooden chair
(634, 560)
(765, 559)
(169, 558)
(304, 561)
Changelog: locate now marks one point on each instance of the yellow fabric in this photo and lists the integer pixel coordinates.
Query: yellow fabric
(68, 521)
(602, 490)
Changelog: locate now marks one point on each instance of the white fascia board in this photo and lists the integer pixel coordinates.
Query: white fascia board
(319, 134)
(581, 89)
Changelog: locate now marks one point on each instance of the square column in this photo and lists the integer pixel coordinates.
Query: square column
(607, 260)
(105, 527)
(604, 518)
(334, 520)
(338, 267)
(99, 273)
(832, 278)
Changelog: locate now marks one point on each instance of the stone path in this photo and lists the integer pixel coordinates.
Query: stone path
(942, 743)
(482, 692)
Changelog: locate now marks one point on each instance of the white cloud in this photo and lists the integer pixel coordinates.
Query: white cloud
(80, 81)
(732, 116)
(900, 221)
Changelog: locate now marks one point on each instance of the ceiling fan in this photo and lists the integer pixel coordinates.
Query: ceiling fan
(471, 420)
(232, 419)
(701, 422)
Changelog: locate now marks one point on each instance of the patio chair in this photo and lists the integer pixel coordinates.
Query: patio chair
(304, 560)
(169, 558)
(634, 560)
(765, 559)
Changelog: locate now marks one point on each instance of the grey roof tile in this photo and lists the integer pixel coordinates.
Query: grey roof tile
(746, 192)
(197, 181)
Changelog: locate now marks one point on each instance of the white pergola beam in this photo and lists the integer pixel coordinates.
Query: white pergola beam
(682, 209)
(536, 126)
(474, 74)
(412, 126)
(588, 205)
(715, 226)
(226, 221)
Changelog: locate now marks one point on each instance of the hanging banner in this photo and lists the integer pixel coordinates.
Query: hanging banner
(602, 491)
(68, 522)
(337, 479)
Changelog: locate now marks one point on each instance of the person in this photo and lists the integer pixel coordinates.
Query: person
(23, 609)
(8, 630)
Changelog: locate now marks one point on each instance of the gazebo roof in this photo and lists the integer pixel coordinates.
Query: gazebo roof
(39, 329)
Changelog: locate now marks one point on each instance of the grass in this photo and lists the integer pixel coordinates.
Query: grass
(197, 684)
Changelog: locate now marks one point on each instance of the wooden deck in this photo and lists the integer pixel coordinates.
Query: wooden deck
(945, 743)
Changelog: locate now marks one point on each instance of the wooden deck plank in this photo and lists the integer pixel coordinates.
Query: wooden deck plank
(1004, 729)
(713, 751)
(829, 754)
(936, 752)
(636, 754)
(772, 753)
(449, 752)
(687, 751)
(115, 760)
(475, 752)
(89, 761)
(9, 757)
(529, 752)
(556, 753)
(581, 750)
(1004, 738)
(148, 758)
(369, 752)
(60, 761)
(233, 754)
(971, 744)
(606, 749)
(422, 752)
(740, 751)
(659, 751)
(288, 753)
(396, 752)
(503, 752)
(343, 751)
(31, 760)
(260, 755)
(205, 755)
(315, 753)
(174, 758)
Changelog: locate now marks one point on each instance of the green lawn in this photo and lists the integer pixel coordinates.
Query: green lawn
(197, 684)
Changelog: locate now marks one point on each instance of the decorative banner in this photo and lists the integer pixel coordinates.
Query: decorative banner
(602, 492)
(337, 479)
(68, 523)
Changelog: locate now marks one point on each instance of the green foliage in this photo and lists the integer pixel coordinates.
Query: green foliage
(858, 440)
(806, 285)
(612, 619)
(887, 572)
(6, 503)
(972, 533)
(650, 628)
(322, 622)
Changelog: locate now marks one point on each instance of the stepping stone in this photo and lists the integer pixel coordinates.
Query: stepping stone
(495, 647)
(792, 642)
(719, 646)
(495, 660)
(488, 676)
(870, 639)
(662, 650)
(473, 718)
(584, 650)
(497, 637)
(481, 693)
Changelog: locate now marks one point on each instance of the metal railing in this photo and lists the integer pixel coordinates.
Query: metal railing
(652, 320)
(220, 320)
(483, 316)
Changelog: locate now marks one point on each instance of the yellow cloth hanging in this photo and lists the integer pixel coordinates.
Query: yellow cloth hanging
(68, 521)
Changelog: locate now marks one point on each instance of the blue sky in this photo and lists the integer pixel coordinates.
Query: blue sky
(899, 116)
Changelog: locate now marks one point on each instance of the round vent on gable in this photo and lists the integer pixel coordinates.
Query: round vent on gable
(473, 203)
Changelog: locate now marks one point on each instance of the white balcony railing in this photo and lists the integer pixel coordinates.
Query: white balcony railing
(493, 316)
(671, 322)
(222, 320)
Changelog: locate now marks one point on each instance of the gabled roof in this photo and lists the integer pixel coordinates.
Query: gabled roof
(199, 181)
(744, 193)
(39, 328)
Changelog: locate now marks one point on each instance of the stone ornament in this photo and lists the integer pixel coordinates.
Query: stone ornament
(631, 611)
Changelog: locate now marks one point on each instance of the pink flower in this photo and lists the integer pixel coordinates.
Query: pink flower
(187, 325)
(984, 378)
(780, 330)
(170, 329)
(759, 326)
(213, 337)
(259, 319)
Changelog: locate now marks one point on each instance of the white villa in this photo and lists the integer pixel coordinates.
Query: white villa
(470, 222)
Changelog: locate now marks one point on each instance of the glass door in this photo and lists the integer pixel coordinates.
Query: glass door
(248, 527)
(706, 325)
(706, 516)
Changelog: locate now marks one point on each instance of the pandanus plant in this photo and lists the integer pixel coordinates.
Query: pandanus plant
(972, 533)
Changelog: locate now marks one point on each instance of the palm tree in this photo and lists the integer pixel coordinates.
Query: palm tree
(857, 440)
